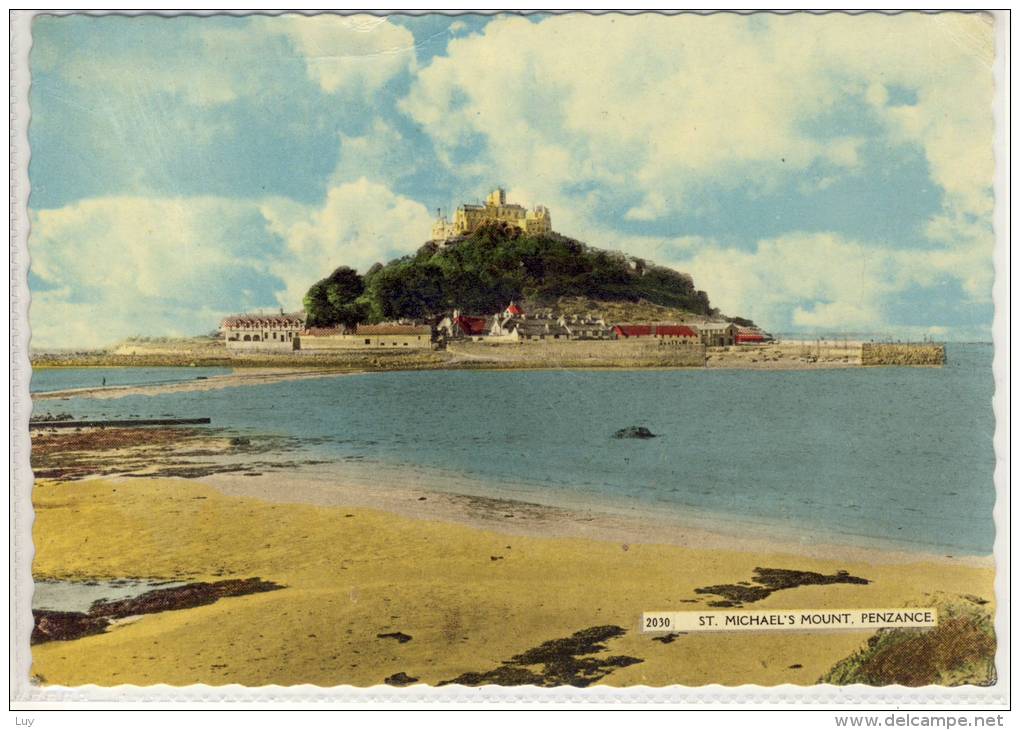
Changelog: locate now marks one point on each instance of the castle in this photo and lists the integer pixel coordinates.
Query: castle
(496, 209)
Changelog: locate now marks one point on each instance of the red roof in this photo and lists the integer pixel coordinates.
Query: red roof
(654, 330)
(633, 330)
(674, 330)
(471, 325)
(750, 336)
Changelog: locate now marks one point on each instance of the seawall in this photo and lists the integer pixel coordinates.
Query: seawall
(578, 353)
(924, 353)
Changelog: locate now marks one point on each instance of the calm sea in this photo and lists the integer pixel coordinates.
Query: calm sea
(50, 379)
(898, 454)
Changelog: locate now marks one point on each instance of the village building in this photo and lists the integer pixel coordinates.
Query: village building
(276, 332)
(717, 334)
(514, 325)
(678, 333)
(587, 328)
(523, 329)
(495, 210)
(366, 337)
(459, 326)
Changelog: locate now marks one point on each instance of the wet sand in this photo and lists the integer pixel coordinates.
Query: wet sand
(433, 496)
(400, 585)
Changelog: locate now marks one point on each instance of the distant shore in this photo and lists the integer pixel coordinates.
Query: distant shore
(781, 355)
(251, 370)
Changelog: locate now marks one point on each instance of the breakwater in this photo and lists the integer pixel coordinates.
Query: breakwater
(906, 353)
(578, 354)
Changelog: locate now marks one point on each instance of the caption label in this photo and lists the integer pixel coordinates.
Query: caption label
(800, 620)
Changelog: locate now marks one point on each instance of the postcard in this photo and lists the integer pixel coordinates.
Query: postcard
(446, 353)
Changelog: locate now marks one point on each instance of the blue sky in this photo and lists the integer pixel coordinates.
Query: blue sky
(816, 173)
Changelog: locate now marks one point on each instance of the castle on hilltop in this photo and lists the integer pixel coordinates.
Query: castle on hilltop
(495, 210)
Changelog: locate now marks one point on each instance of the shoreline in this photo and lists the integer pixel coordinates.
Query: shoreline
(281, 470)
(604, 521)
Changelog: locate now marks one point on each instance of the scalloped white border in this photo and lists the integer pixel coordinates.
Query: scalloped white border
(25, 696)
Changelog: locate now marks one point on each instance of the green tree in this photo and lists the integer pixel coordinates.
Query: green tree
(483, 271)
(333, 300)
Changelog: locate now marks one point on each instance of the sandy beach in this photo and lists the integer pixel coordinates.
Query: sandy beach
(404, 584)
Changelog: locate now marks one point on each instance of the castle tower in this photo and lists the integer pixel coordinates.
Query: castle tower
(496, 198)
(469, 217)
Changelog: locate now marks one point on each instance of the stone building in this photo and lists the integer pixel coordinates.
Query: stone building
(523, 329)
(367, 337)
(496, 209)
(717, 334)
(587, 328)
(262, 331)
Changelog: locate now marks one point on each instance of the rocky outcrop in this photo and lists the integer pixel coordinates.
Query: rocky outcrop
(65, 625)
(634, 432)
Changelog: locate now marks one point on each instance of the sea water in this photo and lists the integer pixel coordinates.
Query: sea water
(893, 454)
(51, 379)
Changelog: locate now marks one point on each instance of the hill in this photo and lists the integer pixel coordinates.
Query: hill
(495, 264)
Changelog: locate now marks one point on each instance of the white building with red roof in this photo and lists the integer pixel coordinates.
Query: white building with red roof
(276, 332)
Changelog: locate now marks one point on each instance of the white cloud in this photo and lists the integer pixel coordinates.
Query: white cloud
(343, 51)
(381, 153)
(822, 281)
(214, 64)
(649, 104)
(120, 266)
(360, 223)
(639, 111)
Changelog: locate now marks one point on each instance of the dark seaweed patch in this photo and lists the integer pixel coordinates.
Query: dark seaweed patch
(769, 581)
(67, 625)
(556, 663)
(400, 679)
(668, 638)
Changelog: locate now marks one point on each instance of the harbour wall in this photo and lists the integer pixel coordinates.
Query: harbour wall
(580, 353)
(887, 353)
